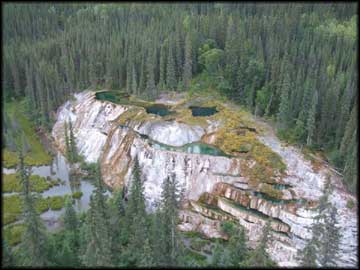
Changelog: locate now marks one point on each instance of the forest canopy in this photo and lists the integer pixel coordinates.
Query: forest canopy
(295, 63)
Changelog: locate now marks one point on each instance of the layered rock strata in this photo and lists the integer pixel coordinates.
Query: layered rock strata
(215, 186)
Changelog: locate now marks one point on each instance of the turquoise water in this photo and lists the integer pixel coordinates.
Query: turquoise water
(278, 201)
(281, 186)
(202, 111)
(192, 148)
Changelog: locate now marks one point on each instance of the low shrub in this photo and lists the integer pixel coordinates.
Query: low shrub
(13, 233)
(56, 202)
(77, 194)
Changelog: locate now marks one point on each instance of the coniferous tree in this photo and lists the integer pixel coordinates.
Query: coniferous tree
(284, 109)
(162, 68)
(33, 242)
(169, 212)
(150, 82)
(188, 62)
(170, 68)
(8, 259)
(259, 257)
(330, 241)
(98, 238)
(311, 120)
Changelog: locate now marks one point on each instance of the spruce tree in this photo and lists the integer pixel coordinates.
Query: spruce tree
(311, 120)
(169, 213)
(72, 144)
(188, 62)
(8, 258)
(170, 68)
(162, 68)
(329, 247)
(32, 246)
(98, 238)
(150, 82)
(135, 216)
(284, 109)
(259, 257)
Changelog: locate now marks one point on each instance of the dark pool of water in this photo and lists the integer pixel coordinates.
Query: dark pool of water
(159, 109)
(112, 96)
(202, 111)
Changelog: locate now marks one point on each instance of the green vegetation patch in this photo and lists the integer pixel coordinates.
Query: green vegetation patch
(41, 204)
(271, 191)
(56, 202)
(350, 204)
(193, 255)
(12, 208)
(198, 244)
(77, 194)
(13, 233)
(193, 234)
(12, 183)
(37, 155)
(10, 159)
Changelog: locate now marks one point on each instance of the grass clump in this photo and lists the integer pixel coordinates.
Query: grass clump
(12, 183)
(350, 204)
(193, 234)
(41, 205)
(77, 195)
(12, 208)
(56, 202)
(10, 159)
(13, 233)
(270, 191)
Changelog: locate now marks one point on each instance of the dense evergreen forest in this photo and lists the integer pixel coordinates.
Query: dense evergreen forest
(294, 64)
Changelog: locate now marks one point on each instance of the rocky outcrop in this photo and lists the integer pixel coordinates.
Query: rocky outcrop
(215, 186)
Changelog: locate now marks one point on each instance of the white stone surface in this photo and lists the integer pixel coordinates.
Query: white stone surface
(98, 137)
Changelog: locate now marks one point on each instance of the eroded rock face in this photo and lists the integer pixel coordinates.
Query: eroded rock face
(171, 133)
(214, 185)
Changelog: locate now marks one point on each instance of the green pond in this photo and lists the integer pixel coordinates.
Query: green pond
(159, 109)
(202, 111)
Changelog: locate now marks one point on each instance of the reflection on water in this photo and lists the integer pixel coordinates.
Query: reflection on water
(60, 169)
(8, 171)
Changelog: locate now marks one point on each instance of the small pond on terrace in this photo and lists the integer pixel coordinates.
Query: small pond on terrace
(113, 96)
(124, 99)
(159, 109)
(192, 148)
(202, 111)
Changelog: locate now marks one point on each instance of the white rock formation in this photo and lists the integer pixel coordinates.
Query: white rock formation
(99, 136)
